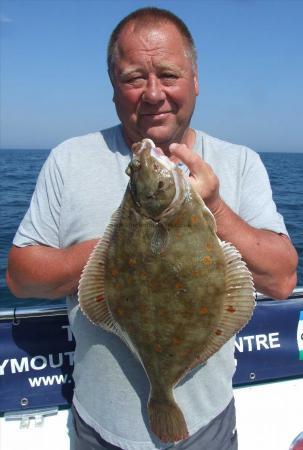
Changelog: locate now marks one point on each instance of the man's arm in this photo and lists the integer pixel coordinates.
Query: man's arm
(43, 272)
(270, 256)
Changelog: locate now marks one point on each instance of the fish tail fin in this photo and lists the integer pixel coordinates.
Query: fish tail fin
(167, 420)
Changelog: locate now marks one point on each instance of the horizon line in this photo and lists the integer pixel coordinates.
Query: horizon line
(49, 149)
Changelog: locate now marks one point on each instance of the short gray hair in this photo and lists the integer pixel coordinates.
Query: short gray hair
(151, 16)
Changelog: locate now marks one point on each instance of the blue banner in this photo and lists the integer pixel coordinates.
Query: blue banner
(36, 363)
(36, 356)
(270, 347)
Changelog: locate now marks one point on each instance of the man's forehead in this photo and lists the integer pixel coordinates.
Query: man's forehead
(164, 45)
(152, 27)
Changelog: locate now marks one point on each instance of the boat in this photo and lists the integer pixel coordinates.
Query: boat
(36, 385)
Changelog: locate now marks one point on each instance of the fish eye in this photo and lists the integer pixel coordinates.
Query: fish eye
(160, 185)
(136, 163)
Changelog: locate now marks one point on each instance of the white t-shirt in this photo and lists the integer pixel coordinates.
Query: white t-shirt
(80, 185)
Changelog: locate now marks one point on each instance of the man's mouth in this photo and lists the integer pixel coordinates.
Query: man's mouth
(155, 114)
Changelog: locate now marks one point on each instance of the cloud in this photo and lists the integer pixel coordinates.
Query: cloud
(5, 19)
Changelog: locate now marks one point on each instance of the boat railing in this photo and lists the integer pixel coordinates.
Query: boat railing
(60, 309)
(25, 312)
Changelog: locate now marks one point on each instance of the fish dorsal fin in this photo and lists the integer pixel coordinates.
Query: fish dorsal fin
(209, 217)
(238, 304)
(91, 288)
(91, 285)
(207, 214)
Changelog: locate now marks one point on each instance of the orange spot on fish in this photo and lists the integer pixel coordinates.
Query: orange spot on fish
(218, 332)
(177, 221)
(158, 348)
(114, 272)
(99, 299)
(179, 286)
(120, 312)
(209, 246)
(194, 219)
(231, 309)
(203, 310)
(206, 260)
(195, 273)
(132, 262)
(176, 340)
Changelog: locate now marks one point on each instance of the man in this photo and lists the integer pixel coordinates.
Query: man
(152, 67)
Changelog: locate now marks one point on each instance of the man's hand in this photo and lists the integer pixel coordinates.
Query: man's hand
(43, 272)
(202, 177)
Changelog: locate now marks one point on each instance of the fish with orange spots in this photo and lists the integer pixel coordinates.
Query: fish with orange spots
(196, 292)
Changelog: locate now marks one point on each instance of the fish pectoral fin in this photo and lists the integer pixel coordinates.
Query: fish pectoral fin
(91, 285)
(238, 303)
(134, 216)
(159, 240)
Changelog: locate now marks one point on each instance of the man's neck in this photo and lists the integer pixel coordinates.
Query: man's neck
(189, 138)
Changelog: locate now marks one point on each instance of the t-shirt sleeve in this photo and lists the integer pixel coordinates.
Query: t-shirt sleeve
(257, 206)
(40, 225)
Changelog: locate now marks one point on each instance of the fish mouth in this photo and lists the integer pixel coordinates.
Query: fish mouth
(162, 158)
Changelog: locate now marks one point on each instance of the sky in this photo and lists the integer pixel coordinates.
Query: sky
(54, 83)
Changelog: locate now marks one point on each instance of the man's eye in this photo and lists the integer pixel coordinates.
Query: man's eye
(132, 79)
(135, 79)
(169, 79)
(169, 75)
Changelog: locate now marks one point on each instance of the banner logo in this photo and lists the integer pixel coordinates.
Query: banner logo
(300, 336)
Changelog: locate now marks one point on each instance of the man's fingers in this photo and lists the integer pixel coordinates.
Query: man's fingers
(202, 177)
(188, 157)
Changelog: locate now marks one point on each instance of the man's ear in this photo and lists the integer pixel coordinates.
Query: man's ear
(110, 75)
(196, 83)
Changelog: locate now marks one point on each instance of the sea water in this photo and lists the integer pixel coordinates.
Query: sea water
(19, 170)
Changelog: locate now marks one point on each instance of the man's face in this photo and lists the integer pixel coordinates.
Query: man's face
(155, 84)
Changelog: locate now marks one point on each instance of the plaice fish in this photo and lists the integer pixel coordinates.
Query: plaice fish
(162, 280)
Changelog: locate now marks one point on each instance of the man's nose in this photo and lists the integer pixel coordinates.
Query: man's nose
(153, 92)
